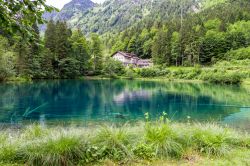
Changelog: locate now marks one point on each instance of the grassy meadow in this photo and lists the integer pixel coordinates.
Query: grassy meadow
(146, 143)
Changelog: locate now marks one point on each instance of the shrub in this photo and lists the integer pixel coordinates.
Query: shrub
(223, 77)
(186, 73)
(113, 67)
(211, 141)
(130, 73)
(69, 68)
(61, 150)
(152, 72)
(162, 139)
(6, 65)
(114, 143)
(144, 151)
(239, 54)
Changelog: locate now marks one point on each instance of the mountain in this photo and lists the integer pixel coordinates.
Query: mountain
(70, 10)
(117, 15)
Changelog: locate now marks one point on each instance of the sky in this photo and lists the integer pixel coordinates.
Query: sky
(59, 3)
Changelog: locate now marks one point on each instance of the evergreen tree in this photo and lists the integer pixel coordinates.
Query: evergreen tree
(7, 59)
(34, 66)
(160, 53)
(50, 45)
(22, 49)
(62, 40)
(50, 37)
(175, 47)
(96, 51)
(80, 50)
(62, 49)
(132, 45)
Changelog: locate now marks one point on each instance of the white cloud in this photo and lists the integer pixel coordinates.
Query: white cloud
(59, 3)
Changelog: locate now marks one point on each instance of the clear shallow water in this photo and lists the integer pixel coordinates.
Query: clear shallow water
(94, 101)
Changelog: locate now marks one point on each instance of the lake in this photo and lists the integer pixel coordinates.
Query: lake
(93, 101)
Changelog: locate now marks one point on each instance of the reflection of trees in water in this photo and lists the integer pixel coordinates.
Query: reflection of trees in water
(127, 96)
(97, 98)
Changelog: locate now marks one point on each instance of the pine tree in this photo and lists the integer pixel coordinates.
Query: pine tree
(22, 50)
(132, 45)
(80, 50)
(175, 47)
(6, 59)
(160, 52)
(50, 44)
(34, 59)
(50, 36)
(62, 40)
(96, 51)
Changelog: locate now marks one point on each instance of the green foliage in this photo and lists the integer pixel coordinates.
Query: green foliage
(97, 57)
(202, 37)
(189, 74)
(114, 143)
(213, 25)
(220, 76)
(116, 16)
(69, 68)
(19, 16)
(50, 37)
(176, 47)
(162, 139)
(7, 60)
(241, 27)
(34, 132)
(210, 141)
(130, 73)
(144, 151)
(203, 32)
(113, 68)
(152, 72)
(63, 150)
(239, 54)
(159, 48)
(6, 66)
(212, 46)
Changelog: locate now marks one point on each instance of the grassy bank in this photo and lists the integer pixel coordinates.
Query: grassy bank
(151, 143)
(223, 72)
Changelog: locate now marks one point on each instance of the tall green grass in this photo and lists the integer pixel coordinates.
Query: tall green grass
(164, 140)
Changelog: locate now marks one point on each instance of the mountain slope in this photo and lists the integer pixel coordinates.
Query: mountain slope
(74, 8)
(117, 15)
(120, 14)
(71, 10)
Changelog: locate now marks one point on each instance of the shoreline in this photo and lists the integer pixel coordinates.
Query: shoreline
(245, 82)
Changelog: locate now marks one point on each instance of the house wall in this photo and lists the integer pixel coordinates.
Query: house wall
(132, 61)
(121, 58)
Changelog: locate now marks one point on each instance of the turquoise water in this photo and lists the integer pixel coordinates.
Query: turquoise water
(94, 101)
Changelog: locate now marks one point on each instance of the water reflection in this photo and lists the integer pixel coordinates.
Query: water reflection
(130, 96)
(117, 100)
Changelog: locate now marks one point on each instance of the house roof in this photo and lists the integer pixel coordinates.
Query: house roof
(125, 54)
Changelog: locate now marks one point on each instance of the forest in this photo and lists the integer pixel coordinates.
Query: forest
(205, 39)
